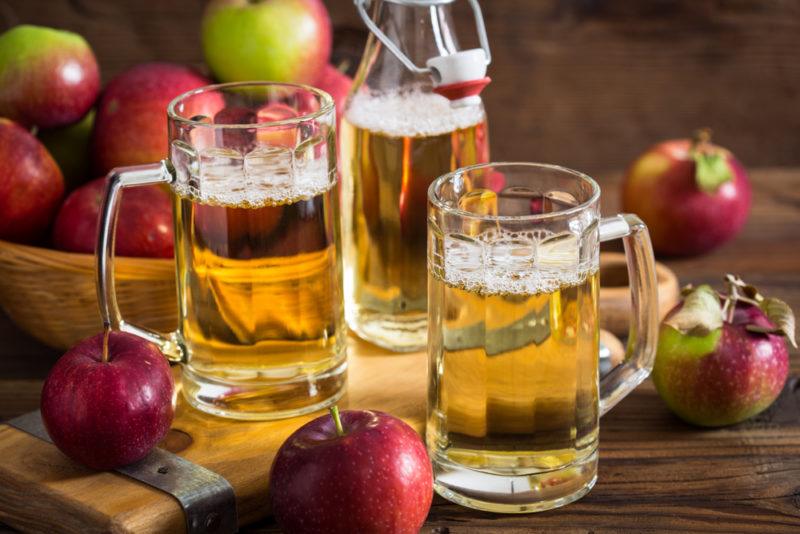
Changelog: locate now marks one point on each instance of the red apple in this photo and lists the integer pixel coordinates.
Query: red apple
(245, 140)
(277, 136)
(718, 364)
(48, 77)
(692, 195)
(106, 408)
(337, 84)
(240, 139)
(278, 40)
(31, 185)
(131, 123)
(369, 473)
(144, 228)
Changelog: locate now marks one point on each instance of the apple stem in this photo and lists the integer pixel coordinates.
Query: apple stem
(106, 334)
(729, 307)
(701, 138)
(337, 421)
(343, 66)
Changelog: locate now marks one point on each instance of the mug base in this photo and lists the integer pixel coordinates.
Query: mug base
(264, 401)
(514, 494)
(398, 333)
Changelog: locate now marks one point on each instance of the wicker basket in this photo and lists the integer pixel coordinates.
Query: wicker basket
(51, 294)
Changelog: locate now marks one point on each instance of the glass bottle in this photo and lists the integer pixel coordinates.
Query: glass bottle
(413, 114)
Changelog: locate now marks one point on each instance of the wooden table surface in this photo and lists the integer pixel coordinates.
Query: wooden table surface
(657, 474)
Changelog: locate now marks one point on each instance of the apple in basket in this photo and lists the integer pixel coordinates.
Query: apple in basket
(48, 77)
(144, 228)
(337, 84)
(278, 40)
(69, 146)
(365, 472)
(131, 125)
(109, 400)
(31, 185)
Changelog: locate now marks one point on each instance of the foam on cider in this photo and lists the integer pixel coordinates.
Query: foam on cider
(410, 114)
(515, 263)
(271, 183)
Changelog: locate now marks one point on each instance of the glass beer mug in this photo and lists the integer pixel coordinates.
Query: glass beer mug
(514, 395)
(413, 114)
(252, 174)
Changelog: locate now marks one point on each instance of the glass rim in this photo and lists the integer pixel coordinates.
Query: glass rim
(434, 198)
(326, 105)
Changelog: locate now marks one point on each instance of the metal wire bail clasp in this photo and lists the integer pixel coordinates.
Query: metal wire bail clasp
(459, 76)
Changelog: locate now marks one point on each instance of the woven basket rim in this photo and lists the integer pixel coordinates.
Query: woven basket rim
(78, 261)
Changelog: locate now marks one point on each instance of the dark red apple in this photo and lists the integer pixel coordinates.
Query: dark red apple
(144, 228)
(245, 140)
(240, 139)
(369, 473)
(131, 123)
(106, 408)
(31, 185)
(48, 77)
(692, 195)
(721, 363)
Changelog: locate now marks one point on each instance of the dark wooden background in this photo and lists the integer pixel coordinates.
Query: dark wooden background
(585, 83)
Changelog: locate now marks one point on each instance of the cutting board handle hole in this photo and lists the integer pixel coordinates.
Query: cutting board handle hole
(175, 442)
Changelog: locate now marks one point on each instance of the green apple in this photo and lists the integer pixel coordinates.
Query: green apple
(69, 146)
(269, 40)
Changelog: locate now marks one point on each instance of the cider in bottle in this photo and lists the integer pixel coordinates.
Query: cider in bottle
(413, 115)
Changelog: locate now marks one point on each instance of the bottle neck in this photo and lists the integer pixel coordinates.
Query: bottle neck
(421, 32)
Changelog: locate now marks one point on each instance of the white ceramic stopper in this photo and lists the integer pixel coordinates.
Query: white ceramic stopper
(463, 66)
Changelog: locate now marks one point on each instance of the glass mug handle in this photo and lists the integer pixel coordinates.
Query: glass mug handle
(118, 179)
(643, 335)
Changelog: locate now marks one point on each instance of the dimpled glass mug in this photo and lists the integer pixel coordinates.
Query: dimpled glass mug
(514, 393)
(252, 174)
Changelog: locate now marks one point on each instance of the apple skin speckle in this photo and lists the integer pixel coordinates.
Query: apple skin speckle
(377, 478)
(723, 378)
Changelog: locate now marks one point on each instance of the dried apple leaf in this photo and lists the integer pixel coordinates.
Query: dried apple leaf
(700, 314)
(779, 314)
(743, 291)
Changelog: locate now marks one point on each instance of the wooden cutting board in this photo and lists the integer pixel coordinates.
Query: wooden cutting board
(43, 491)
